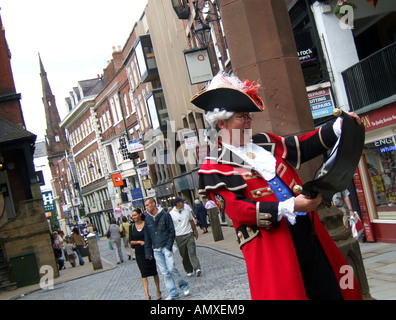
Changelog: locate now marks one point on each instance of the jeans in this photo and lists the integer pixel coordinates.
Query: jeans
(116, 243)
(166, 264)
(79, 254)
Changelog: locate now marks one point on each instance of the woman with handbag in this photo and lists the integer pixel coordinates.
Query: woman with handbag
(114, 235)
(124, 230)
(147, 267)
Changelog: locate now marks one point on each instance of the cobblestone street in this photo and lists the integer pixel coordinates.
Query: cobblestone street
(223, 278)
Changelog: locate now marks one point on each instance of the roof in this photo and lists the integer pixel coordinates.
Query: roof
(10, 132)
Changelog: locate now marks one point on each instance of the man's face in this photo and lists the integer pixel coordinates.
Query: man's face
(179, 205)
(237, 129)
(150, 206)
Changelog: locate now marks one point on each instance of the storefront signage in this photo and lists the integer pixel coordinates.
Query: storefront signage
(321, 102)
(191, 142)
(380, 117)
(305, 47)
(368, 230)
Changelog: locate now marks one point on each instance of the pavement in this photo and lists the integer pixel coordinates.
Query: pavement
(222, 263)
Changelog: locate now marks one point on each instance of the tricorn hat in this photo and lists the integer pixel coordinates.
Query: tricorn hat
(230, 94)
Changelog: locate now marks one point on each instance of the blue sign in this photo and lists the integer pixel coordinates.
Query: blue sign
(136, 194)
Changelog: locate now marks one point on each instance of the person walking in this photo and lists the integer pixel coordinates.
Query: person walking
(147, 267)
(78, 241)
(71, 256)
(113, 233)
(202, 215)
(124, 228)
(159, 236)
(185, 230)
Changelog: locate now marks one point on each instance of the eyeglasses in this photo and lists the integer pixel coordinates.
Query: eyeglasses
(245, 117)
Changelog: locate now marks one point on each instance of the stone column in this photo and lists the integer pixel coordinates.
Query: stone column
(262, 47)
(215, 224)
(94, 252)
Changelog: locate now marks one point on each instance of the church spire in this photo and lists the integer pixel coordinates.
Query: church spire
(56, 137)
(47, 92)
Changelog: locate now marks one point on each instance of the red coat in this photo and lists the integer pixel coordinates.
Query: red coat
(248, 200)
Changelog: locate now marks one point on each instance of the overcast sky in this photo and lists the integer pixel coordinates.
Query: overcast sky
(74, 39)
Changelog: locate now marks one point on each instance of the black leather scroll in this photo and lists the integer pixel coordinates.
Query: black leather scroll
(337, 172)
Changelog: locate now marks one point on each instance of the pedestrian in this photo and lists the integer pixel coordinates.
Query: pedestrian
(340, 200)
(185, 230)
(113, 233)
(57, 247)
(124, 228)
(159, 235)
(78, 241)
(251, 178)
(69, 249)
(147, 267)
(202, 215)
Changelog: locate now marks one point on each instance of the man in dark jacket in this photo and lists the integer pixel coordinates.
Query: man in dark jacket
(159, 235)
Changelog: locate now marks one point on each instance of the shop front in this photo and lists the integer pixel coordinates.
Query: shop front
(164, 194)
(377, 174)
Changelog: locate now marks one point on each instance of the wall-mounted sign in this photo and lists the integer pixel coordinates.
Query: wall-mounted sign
(321, 102)
(135, 145)
(198, 65)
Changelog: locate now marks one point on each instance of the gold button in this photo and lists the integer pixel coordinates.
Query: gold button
(269, 190)
(240, 234)
(275, 183)
(279, 189)
(267, 216)
(251, 174)
(285, 196)
(266, 223)
(297, 189)
(258, 193)
(248, 229)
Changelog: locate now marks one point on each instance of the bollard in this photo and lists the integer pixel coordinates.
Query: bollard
(94, 251)
(215, 224)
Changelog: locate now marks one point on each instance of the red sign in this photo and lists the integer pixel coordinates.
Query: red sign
(368, 230)
(117, 180)
(380, 117)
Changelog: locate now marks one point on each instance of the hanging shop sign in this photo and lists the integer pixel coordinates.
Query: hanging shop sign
(117, 180)
(135, 145)
(198, 65)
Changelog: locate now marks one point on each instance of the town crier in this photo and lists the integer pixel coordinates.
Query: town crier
(288, 252)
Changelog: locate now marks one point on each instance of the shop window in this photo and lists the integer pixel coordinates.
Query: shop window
(381, 166)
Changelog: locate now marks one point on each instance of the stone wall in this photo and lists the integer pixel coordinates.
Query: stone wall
(29, 232)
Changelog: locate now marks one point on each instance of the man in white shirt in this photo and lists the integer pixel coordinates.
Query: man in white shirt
(186, 230)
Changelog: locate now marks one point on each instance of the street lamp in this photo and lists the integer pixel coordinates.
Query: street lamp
(202, 32)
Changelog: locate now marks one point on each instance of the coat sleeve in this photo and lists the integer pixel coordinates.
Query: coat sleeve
(245, 211)
(171, 232)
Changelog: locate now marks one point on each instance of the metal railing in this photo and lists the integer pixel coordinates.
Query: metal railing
(372, 79)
